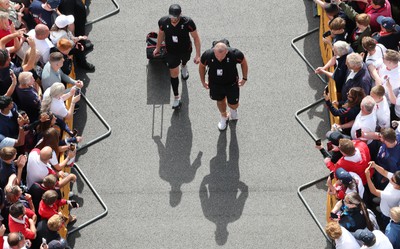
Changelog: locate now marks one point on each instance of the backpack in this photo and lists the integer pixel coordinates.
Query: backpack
(151, 43)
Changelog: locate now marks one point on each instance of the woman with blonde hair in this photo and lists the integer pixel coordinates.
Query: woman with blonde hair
(53, 100)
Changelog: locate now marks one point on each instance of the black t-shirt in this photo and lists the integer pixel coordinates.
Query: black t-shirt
(177, 39)
(222, 72)
(390, 41)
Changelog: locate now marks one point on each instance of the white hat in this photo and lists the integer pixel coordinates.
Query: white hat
(63, 20)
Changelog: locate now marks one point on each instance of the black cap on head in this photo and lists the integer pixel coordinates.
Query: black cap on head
(175, 10)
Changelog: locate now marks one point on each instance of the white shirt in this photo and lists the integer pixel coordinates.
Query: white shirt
(382, 242)
(397, 106)
(359, 185)
(36, 169)
(394, 77)
(366, 123)
(346, 241)
(377, 58)
(390, 197)
(383, 113)
(57, 106)
(43, 46)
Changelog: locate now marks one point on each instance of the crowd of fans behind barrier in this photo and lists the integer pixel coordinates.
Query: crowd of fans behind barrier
(37, 41)
(363, 150)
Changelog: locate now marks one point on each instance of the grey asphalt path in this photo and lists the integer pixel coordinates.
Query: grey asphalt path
(171, 179)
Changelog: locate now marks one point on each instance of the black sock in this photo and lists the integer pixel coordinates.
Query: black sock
(175, 85)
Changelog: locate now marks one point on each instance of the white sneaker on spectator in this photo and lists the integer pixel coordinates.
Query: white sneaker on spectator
(223, 123)
(177, 103)
(233, 115)
(184, 73)
(70, 194)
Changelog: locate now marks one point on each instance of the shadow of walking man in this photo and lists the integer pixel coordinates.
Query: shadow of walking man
(175, 167)
(222, 194)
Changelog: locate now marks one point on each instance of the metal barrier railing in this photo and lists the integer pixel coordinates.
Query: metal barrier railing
(83, 176)
(106, 15)
(94, 141)
(309, 132)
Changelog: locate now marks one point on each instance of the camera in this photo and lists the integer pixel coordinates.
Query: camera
(326, 34)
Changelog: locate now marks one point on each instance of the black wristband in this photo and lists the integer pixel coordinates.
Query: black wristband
(244, 78)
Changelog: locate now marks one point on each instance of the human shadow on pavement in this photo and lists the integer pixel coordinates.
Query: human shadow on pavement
(175, 165)
(222, 194)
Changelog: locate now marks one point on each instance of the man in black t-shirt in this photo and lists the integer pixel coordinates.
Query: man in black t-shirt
(223, 79)
(175, 30)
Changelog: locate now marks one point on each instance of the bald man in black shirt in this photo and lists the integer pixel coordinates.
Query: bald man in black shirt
(223, 79)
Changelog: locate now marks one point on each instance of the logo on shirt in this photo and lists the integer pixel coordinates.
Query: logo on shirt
(182, 26)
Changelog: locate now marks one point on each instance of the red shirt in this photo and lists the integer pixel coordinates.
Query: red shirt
(45, 211)
(23, 228)
(356, 167)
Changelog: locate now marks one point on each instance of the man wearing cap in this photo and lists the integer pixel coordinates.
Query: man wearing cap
(44, 13)
(375, 239)
(389, 35)
(175, 30)
(348, 182)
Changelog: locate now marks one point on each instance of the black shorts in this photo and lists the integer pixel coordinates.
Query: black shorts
(174, 60)
(230, 91)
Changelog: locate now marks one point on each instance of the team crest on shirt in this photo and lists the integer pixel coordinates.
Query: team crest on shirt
(167, 26)
(182, 26)
(227, 59)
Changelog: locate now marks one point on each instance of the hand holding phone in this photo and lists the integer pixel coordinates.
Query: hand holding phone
(329, 146)
(358, 133)
(72, 147)
(74, 204)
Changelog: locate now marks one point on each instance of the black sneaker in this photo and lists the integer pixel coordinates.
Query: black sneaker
(87, 66)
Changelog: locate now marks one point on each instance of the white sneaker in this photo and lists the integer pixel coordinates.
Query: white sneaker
(223, 123)
(233, 115)
(184, 73)
(176, 104)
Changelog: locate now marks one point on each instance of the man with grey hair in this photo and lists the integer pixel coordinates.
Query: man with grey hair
(223, 78)
(357, 75)
(366, 123)
(28, 97)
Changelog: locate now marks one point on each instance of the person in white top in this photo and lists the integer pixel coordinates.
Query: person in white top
(374, 59)
(53, 100)
(390, 196)
(393, 99)
(366, 121)
(343, 238)
(373, 240)
(390, 71)
(382, 107)
(40, 34)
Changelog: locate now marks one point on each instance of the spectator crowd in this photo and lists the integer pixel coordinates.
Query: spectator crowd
(363, 150)
(40, 42)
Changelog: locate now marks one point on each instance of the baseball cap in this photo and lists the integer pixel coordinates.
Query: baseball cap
(388, 23)
(57, 244)
(54, 3)
(63, 20)
(335, 136)
(366, 236)
(175, 10)
(343, 175)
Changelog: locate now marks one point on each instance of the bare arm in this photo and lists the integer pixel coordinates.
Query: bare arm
(197, 45)
(32, 55)
(202, 72)
(371, 185)
(245, 70)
